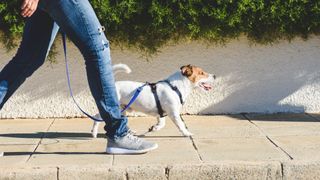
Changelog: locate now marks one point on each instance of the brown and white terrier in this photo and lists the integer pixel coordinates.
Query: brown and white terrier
(185, 80)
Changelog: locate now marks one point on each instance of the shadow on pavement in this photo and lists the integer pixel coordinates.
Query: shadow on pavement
(39, 153)
(69, 135)
(52, 135)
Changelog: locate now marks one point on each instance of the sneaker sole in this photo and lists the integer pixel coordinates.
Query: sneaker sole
(114, 150)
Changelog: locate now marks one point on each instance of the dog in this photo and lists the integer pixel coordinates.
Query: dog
(171, 94)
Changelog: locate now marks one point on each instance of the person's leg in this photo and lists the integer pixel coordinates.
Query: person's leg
(39, 33)
(78, 20)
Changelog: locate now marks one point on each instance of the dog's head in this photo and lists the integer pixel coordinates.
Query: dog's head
(198, 77)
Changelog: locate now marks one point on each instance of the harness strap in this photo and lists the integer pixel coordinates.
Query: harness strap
(153, 87)
(175, 89)
(156, 97)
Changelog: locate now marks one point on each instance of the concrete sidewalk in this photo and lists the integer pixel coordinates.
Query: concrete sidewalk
(246, 146)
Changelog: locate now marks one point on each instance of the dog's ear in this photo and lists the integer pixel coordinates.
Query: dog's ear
(186, 70)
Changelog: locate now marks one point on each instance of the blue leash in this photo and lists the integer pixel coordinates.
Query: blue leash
(134, 97)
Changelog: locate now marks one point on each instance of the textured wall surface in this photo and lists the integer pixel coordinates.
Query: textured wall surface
(284, 77)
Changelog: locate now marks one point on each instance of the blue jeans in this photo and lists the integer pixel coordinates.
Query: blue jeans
(78, 20)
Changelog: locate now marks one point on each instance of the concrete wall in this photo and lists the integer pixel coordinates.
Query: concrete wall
(284, 77)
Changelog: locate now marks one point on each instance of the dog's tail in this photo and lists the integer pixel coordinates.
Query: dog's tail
(121, 68)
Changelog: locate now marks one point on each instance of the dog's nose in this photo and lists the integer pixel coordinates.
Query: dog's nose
(214, 76)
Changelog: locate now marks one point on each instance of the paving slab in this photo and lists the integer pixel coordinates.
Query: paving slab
(301, 147)
(68, 152)
(19, 138)
(238, 149)
(15, 154)
(24, 125)
(22, 131)
(297, 134)
(68, 142)
(13, 160)
(170, 151)
(286, 124)
(82, 125)
(206, 127)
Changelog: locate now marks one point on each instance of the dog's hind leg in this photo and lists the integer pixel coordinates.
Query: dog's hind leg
(161, 123)
(95, 127)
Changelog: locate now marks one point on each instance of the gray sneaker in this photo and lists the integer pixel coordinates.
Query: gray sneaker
(129, 144)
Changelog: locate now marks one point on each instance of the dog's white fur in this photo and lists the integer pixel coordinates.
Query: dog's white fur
(169, 99)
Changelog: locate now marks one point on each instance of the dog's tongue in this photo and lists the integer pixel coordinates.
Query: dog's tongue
(206, 86)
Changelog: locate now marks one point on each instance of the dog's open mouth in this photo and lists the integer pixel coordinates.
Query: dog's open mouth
(205, 86)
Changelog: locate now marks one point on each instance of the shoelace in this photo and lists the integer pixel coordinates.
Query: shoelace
(131, 135)
(132, 132)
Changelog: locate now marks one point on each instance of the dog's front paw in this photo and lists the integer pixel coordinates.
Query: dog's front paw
(187, 133)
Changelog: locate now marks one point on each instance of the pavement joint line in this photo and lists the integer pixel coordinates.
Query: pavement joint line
(58, 169)
(167, 172)
(312, 116)
(265, 134)
(43, 135)
(193, 142)
(282, 170)
(196, 148)
(127, 175)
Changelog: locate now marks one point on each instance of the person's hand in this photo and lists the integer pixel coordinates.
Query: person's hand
(28, 7)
